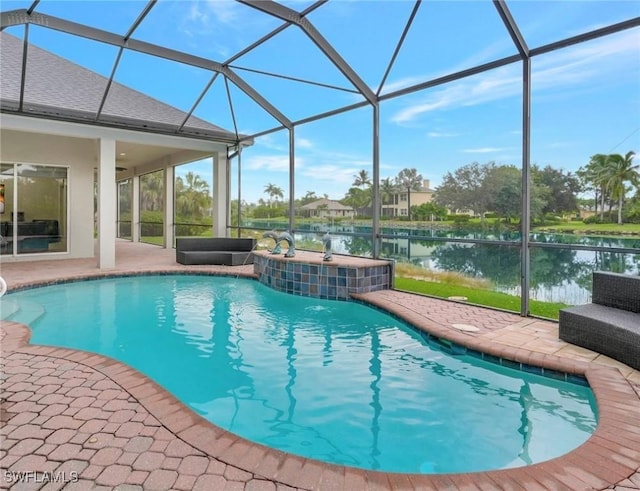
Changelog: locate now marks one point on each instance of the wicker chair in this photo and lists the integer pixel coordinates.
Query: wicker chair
(611, 323)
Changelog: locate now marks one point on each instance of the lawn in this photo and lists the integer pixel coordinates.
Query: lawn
(478, 296)
(591, 228)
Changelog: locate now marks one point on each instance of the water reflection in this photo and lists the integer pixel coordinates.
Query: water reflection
(557, 274)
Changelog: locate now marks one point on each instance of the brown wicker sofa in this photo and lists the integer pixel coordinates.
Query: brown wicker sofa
(611, 323)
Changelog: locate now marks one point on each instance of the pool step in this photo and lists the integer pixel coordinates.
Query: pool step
(8, 308)
(23, 311)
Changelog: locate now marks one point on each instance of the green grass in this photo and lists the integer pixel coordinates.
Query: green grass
(591, 228)
(478, 296)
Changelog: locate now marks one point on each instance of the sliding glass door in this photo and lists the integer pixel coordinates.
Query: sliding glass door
(33, 209)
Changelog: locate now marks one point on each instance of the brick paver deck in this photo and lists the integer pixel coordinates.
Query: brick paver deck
(95, 423)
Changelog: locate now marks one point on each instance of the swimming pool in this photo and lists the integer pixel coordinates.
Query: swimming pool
(335, 381)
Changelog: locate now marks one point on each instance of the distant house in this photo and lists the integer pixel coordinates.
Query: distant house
(326, 208)
(397, 205)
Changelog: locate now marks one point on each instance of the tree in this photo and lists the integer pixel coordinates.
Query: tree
(273, 191)
(609, 174)
(562, 188)
(595, 173)
(152, 191)
(192, 195)
(362, 179)
(409, 179)
(357, 198)
(309, 197)
(506, 181)
(428, 211)
(466, 189)
(620, 170)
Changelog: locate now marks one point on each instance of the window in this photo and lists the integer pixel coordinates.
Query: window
(403, 197)
(33, 208)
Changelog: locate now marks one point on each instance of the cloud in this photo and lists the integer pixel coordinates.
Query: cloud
(334, 173)
(561, 70)
(267, 163)
(440, 134)
(304, 143)
(225, 11)
(273, 142)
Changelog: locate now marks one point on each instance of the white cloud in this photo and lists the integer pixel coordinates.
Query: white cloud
(332, 173)
(440, 134)
(561, 70)
(225, 11)
(267, 163)
(304, 143)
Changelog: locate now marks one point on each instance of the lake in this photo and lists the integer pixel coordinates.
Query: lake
(561, 264)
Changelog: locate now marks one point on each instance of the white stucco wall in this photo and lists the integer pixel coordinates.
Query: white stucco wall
(77, 146)
(80, 157)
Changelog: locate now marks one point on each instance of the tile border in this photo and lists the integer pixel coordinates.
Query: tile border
(605, 459)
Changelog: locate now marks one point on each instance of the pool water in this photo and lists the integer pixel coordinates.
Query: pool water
(329, 380)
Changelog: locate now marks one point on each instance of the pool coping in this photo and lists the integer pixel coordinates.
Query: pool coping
(608, 457)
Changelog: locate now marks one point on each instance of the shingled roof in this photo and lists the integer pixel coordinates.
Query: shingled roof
(57, 88)
(328, 203)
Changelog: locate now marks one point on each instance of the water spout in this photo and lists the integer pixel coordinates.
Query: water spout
(326, 247)
(291, 252)
(273, 235)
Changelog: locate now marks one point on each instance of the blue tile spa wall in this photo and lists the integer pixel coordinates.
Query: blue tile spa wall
(321, 280)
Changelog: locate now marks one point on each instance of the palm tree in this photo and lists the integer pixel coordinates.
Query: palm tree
(192, 195)
(620, 170)
(358, 199)
(387, 191)
(596, 173)
(362, 179)
(152, 191)
(274, 192)
(409, 179)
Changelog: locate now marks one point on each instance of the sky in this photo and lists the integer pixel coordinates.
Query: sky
(585, 98)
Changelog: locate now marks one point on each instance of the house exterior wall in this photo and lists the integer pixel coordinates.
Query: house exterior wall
(400, 202)
(77, 147)
(325, 213)
(79, 155)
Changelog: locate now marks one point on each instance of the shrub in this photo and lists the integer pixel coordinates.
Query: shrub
(461, 218)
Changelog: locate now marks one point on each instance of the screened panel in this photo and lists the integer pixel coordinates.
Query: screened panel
(483, 274)
(563, 277)
(152, 208)
(452, 156)
(125, 209)
(265, 183)
(570, 87)
(364, 33)
(334, 172)
(114, 15)
(542, 23)
(193, 199)
(445, 39)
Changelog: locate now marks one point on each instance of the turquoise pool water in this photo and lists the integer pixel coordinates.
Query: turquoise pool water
(329, 380)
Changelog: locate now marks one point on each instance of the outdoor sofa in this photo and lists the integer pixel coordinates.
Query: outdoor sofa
(215, 250)
(611, 323)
